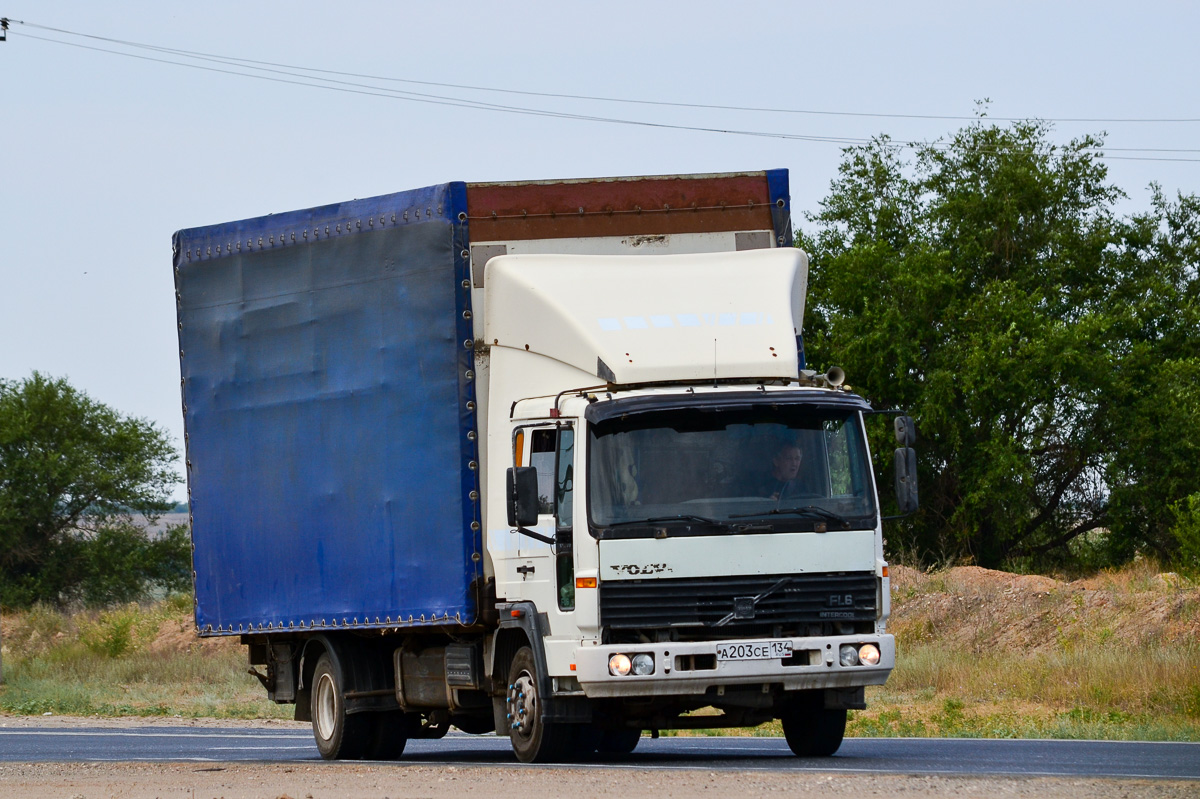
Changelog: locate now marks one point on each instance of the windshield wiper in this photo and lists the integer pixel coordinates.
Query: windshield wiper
(807, 512)
(682, 517)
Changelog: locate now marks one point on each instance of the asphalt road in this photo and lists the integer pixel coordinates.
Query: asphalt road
(940, 756)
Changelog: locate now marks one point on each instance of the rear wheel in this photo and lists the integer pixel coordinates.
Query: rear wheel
(474, 725)
(533, 740)
(339, 736)
(618, 742)
(390, 733)
(814, 731)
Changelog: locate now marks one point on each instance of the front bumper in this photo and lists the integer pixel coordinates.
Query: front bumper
(692, 668)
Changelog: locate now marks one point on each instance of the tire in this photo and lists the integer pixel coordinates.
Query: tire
(339, 736)
(813, 731)
(618, 742)
(390, 733)
(474, 725)
(533, 740)
(434, 725)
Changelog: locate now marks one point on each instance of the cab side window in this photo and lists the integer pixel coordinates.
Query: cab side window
(564, 493)
(551, 452)
(541, 457)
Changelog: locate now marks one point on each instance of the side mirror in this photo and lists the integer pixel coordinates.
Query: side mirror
(906, 476)
(906, 431)
(522, 496)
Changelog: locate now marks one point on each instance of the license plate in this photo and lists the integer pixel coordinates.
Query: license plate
(754, 650)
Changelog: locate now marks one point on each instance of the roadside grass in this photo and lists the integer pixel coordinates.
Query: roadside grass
(983, 654)
(980, 654)
(1101, 694)
(128, 661)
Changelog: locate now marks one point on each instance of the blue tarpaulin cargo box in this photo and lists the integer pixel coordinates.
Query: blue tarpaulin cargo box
(328, 410)
(328, 404)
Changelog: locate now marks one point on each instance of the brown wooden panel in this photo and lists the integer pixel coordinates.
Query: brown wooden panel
(618, 207)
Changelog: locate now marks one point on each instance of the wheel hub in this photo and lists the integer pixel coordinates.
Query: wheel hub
(326, 707)
(522, 704)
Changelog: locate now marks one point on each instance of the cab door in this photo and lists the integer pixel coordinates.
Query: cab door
(543, 572)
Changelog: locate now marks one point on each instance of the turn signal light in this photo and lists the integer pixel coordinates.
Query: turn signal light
(585, 582)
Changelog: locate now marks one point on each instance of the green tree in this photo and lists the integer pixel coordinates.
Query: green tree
(1044, 344)
(73, 474)
(1187, 533)
(120, 562)
(1155, 400)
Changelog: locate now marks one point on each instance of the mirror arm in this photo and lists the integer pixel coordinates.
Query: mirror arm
(545, 539)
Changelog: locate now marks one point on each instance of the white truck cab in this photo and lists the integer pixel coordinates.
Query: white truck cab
(640, 409)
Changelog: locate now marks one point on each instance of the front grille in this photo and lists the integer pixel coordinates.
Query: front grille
(727, 602)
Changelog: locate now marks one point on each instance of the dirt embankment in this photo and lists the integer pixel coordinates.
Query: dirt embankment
(993, 611)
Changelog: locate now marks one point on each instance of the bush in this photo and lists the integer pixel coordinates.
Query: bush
(112, 634)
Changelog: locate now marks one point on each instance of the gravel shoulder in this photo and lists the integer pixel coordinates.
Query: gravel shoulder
(327, 780)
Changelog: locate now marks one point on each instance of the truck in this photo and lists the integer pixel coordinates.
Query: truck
(542, 459)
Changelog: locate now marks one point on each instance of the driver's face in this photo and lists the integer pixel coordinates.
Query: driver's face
(787, 463)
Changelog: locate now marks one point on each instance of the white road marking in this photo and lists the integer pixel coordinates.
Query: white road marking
(121, 734)
(249, 748)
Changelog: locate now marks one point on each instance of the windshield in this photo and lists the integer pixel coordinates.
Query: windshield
(774, 468)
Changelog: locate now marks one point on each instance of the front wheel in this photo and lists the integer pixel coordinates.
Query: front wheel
(533, 740)
(814, 732)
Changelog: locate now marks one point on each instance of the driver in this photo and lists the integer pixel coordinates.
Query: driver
(783, 480)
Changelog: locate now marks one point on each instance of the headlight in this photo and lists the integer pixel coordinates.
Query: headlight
(643, 663)
(848, 655)
(619, 665)
(868, 654)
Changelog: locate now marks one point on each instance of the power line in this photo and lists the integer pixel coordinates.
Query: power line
(599, 98)
(350, 87)
(396, 94)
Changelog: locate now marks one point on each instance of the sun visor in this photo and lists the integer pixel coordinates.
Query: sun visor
(604, 410)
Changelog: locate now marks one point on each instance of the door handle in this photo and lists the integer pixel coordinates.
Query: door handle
(525, 571)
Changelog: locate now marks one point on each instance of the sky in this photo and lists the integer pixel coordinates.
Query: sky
(103, 156)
